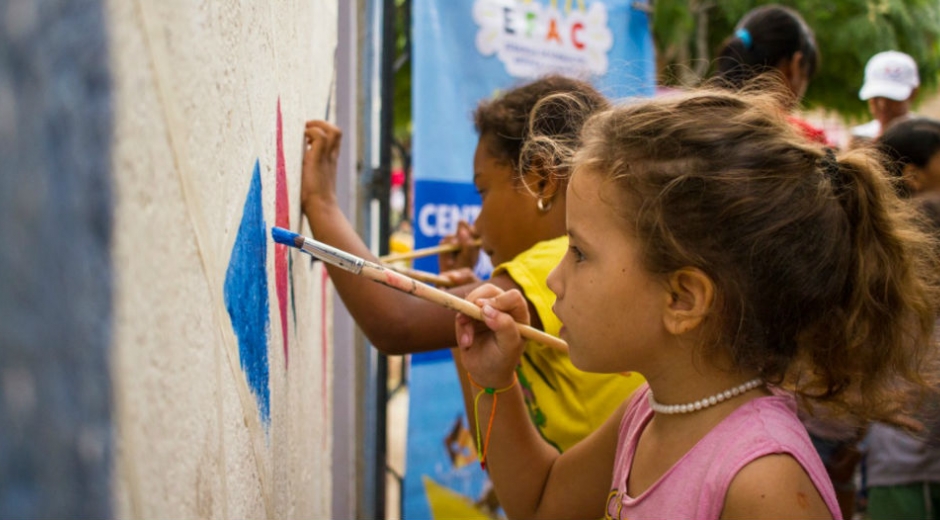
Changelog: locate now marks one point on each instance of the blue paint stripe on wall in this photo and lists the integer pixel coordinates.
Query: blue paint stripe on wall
(246, 295)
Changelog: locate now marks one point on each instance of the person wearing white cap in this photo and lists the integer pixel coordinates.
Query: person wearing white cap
(891, 82)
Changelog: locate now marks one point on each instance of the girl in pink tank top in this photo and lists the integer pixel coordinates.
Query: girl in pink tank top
(739, 268)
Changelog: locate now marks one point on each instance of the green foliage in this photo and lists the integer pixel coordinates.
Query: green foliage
(848, 32)
(401, 128)
(673, 26)
(401, 112)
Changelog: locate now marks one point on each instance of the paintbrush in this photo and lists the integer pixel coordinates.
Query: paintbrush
(385, 276)
(422, 276)
(421, 253)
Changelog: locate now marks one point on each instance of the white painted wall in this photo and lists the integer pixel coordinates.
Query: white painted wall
(197, 85)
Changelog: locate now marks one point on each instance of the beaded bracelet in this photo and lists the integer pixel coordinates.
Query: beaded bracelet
(476, 413)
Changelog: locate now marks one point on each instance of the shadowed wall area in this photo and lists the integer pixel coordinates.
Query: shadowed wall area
(56, 274)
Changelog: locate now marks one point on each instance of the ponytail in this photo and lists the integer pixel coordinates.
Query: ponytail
(871, 353)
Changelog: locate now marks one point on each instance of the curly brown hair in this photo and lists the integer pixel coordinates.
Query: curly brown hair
(825, 284)
(506, 122)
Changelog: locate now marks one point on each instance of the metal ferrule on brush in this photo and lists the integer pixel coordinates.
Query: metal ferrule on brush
(333, 256)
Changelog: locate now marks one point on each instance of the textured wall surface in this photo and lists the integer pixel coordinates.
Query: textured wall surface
(221, 339)
(55, 267)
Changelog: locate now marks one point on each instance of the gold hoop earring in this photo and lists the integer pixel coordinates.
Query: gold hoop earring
(542, 205)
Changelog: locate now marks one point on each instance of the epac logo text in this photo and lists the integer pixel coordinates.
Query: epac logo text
(532, 39)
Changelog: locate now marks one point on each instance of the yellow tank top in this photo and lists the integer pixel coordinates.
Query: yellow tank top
(565, 403)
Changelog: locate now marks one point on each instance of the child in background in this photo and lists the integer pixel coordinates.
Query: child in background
(522, 226)
(737, 267)
(912, 148)
(773, 39)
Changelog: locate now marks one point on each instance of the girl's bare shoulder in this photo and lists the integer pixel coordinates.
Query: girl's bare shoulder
(773, 486)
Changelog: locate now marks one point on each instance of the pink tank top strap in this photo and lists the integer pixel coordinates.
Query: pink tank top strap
(695, 487)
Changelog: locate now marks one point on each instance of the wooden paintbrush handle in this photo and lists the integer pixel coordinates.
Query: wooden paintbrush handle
(422, 276)
(421, 253)
(426, 292)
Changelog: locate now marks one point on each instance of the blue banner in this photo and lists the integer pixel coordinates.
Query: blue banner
(465, 51)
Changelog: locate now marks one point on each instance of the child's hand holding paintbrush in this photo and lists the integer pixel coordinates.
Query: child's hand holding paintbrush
(457, 264)
(466, 252)
(318, 186)
(457, 255)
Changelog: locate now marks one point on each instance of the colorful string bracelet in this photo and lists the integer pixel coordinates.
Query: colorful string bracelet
(476, 413)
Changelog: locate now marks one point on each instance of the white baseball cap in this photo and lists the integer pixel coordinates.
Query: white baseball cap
(891, 75)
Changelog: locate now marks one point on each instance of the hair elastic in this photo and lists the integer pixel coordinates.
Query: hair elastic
(829, 165)
(483, 443)
(745, 36)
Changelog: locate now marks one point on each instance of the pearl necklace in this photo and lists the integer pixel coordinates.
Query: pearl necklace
(706, 402)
